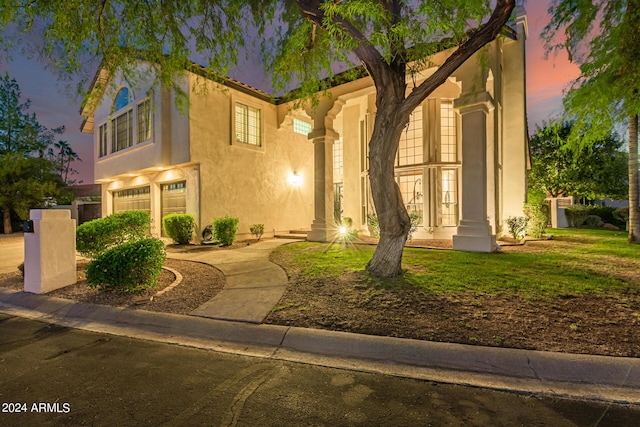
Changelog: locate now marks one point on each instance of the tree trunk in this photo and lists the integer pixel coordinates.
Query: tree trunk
(392, 215)
(634, 218)
(6, 219)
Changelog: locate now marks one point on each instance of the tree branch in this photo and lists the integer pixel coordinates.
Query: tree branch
(368, 54)
(483, 35)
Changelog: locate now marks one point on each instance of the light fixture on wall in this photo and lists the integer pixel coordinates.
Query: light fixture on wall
(295, 179)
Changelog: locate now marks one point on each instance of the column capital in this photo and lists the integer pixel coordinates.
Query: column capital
(472, 102)
(324, 135)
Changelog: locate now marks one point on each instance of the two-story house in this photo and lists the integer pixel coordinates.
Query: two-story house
(234, 150)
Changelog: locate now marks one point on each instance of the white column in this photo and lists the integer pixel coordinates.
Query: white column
(50, 251)
(323, 228)
(474, 233)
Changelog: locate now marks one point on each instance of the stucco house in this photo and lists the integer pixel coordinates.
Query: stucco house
(235, 150)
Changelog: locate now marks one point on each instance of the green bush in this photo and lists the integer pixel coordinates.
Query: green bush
(257, 230)
(577, 214)
(415, 219)
(606, 214)
(128, 267)
(537, 218)
(593, 221)
(372, 221)
(95, 237)
(517, 226)
(622, 216)
(179, 227)
(225, 229)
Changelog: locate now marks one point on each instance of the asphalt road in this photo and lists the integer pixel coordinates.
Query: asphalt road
(58, 376)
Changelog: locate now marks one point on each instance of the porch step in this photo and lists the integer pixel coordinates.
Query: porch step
(292, 234)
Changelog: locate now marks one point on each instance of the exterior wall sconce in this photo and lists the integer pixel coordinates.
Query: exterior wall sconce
(295, 179)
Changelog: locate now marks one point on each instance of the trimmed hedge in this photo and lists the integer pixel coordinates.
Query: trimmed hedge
(179, 227)
(225, 229)
(128, 267)
(95, 237)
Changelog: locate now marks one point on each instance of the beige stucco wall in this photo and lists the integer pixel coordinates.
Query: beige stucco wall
(244, 181)
(169, 144)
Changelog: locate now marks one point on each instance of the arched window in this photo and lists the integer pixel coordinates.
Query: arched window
(122, 125)
(128, 122)
(122, 99)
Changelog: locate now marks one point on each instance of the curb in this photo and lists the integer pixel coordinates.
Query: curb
(601, 378)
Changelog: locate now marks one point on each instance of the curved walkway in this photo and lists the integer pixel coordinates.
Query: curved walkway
(254, 285)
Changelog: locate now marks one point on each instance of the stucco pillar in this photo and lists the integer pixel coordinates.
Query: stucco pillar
(474, 233)
(50, 251)
(323, 228)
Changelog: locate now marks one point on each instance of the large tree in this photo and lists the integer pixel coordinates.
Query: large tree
(28, 178)
(593, 172)
(303, 42)
(603, 37)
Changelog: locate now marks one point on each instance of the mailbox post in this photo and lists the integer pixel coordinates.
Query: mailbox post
(49, 251)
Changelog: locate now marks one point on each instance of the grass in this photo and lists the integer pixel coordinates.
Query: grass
(575, 262)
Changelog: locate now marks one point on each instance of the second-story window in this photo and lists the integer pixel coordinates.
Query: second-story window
(144, 121)
(122, 123)
(126, 124)
(248, 125)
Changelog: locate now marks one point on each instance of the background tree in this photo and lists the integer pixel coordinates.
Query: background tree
(603, 37)
(303, 42)
(593, 172)
(28, 178)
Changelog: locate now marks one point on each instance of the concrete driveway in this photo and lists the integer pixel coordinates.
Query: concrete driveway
(11, 252)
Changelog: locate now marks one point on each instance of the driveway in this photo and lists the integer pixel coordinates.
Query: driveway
(11, 252)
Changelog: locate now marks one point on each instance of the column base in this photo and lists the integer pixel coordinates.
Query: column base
(475, 243)
(474, 236)
(320, 232)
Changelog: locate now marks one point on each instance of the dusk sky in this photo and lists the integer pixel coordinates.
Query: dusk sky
(546, 81)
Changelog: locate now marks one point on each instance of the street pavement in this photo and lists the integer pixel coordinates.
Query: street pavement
(58, 376)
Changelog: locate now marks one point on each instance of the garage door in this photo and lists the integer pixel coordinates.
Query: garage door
(132, 199)
(174, 198)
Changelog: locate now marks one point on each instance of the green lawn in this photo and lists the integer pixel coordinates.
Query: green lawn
(572, 263)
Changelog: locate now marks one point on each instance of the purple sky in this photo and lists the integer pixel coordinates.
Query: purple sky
(546, 80)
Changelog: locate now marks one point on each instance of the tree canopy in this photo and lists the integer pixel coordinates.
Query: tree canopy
(595, 172)
(303, 42)
(603, 37)
(29, 174)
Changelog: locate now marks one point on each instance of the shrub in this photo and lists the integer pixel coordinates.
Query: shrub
(350, 233)
(593, 221)
(622, 215)
(128, 267)
(577, 214)
(95, 237)
(372, 221)
(225, 229)
(415, 219)
(537, 218)
(257, 230)
(179, 227)
(517, 226)
(606, 214)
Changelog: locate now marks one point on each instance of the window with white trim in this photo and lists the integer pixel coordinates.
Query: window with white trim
(448, 134)
(248, 125)
(410, 150)
(122, 132)
(143, 121)
(128, 121)
(102, 140)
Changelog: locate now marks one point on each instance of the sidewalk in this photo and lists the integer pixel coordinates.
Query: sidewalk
(259, 284)
(254, 285)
